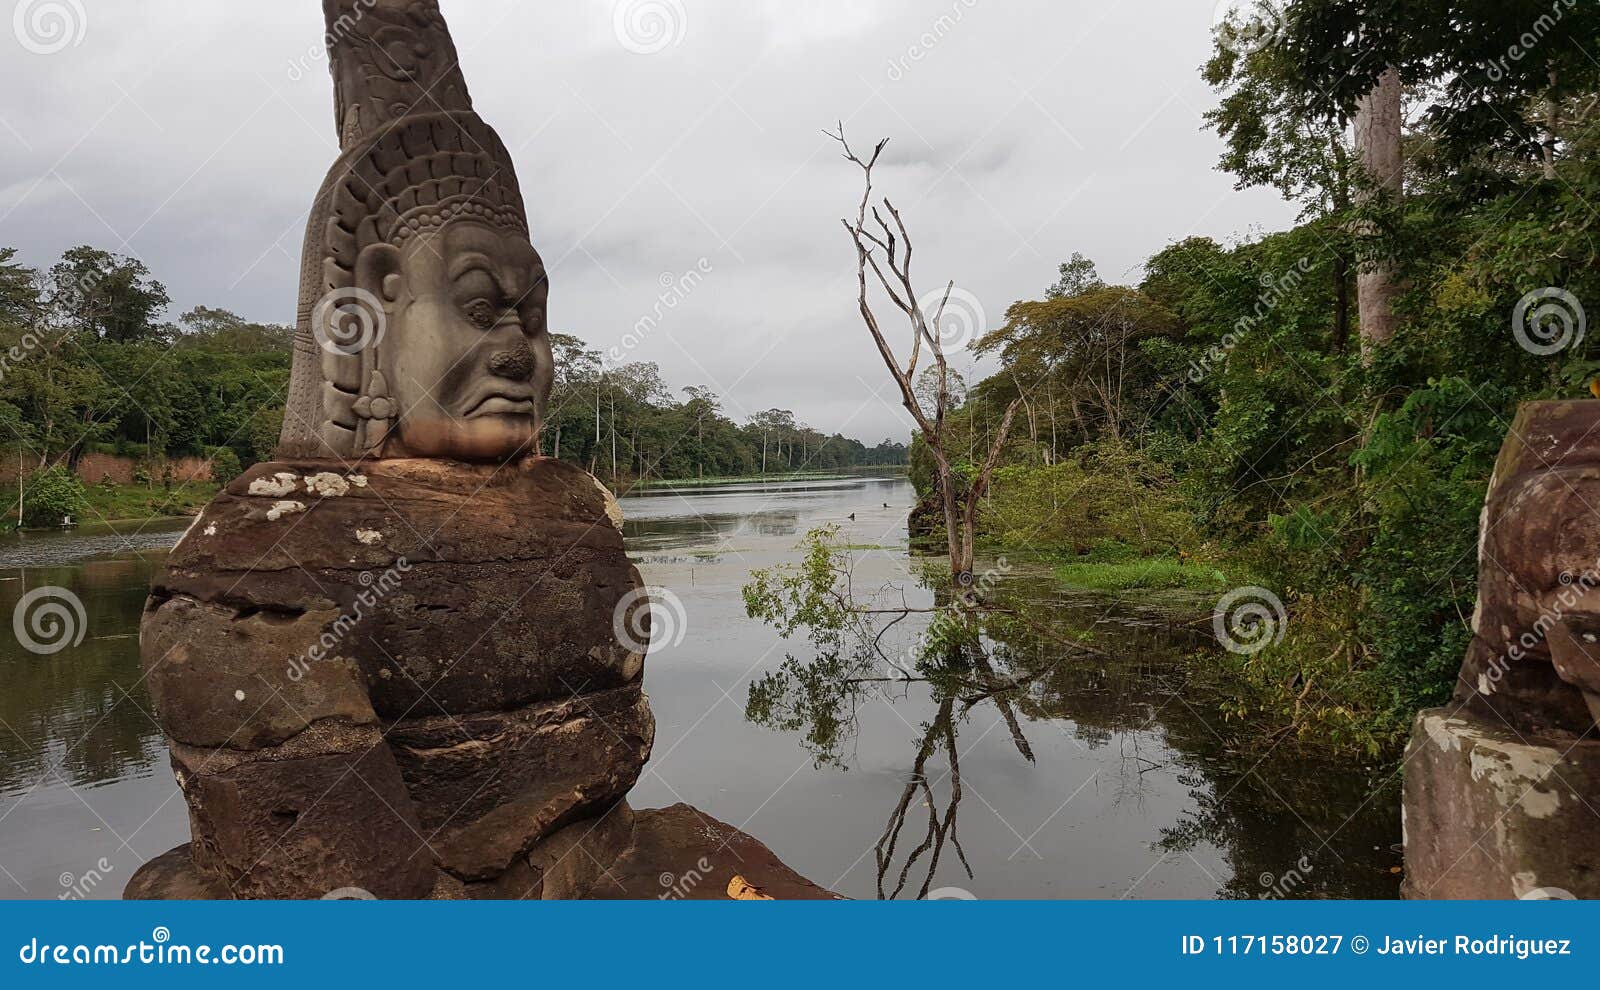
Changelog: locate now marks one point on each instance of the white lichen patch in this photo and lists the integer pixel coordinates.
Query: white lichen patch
(328, 485)
(359, 480)
(1446, 733)
(238, 696)
(1520, 773)
(369, 537)
(281, 509)
(277, 486)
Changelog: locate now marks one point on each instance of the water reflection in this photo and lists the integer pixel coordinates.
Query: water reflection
(1071, 774)
(80, 714)
(1283, 819)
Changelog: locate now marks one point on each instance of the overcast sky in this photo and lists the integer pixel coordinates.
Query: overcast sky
(194, 134)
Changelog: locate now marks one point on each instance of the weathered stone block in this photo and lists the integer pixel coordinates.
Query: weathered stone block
(1491, 815)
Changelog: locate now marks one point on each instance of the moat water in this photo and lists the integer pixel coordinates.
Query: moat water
(1134, 789)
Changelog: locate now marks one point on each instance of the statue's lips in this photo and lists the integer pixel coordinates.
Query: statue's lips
(510, 402)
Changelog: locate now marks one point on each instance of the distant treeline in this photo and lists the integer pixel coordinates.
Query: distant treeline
(88, 364)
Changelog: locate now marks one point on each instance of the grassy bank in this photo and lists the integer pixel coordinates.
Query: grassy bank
(1151, 574)
(123, 503)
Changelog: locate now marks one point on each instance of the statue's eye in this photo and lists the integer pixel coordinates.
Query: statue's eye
(482, 314)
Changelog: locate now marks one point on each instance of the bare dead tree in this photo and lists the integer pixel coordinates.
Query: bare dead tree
(889, 247)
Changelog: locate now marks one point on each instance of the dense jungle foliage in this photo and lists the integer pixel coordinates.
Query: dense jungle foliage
(1228, 412)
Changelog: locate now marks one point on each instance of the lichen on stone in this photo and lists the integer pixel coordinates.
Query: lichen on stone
(277, 486)
(328, 485)
(281, 509)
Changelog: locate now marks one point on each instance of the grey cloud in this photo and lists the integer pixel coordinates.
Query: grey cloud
(1027, 130)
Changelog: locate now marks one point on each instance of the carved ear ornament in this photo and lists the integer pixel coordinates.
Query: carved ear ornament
(377, 411)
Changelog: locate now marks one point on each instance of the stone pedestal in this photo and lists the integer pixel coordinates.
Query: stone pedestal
(412, 679)
(395, 676)
(1492, 815)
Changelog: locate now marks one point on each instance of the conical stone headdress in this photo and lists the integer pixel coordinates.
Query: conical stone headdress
(414, 156)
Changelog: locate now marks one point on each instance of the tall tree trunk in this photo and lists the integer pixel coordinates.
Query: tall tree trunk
(1378, 143)
(1552, 125)
(1341, 303)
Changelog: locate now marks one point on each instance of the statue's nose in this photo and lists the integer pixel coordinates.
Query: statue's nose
(513, 362)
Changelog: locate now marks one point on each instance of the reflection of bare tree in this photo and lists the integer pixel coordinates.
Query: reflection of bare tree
(1146, 692)
(974, 683)
(940, 830)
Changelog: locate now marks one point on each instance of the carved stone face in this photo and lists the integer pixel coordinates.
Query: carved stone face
(466, 353)
(1539, 567)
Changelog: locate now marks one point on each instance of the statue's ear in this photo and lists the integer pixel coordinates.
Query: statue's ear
(378, 272)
